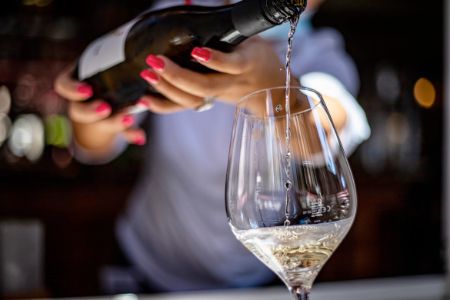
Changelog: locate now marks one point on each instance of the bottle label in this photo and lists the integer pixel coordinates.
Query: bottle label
(105, 52)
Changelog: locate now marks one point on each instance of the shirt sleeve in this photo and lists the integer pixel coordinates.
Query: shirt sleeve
(86, 157)
(356, 129)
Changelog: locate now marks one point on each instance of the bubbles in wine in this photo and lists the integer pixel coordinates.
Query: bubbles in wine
(295, 253)
(288, 185)
(278, 108)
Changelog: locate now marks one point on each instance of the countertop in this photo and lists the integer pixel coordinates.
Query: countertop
(429, 287)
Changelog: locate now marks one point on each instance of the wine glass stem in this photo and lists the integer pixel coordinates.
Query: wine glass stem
(300, 293)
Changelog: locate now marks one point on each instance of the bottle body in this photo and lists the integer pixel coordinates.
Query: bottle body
(112, 64)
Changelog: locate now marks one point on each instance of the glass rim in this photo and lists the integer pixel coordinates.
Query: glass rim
(297, 87)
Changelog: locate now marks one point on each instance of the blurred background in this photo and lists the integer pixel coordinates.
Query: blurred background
(57, 216)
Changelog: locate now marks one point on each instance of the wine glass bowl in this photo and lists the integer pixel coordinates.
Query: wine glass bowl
(290, 194)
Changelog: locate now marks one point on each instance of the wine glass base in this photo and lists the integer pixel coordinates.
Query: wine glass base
(299, 293)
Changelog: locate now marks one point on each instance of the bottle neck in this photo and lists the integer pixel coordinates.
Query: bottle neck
(251, 17)
(279, 11)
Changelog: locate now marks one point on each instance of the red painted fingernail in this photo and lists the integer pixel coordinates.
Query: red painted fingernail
(85, 89)
(155, 62)
(143, 103)
(103, 108)
(127, 120)
(150, 76)
(201, 54)
(139, 140)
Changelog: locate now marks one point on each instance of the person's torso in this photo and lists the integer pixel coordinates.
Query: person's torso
(178, 208)
(177, 212)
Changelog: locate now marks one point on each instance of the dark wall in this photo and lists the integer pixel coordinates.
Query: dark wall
(399, 170)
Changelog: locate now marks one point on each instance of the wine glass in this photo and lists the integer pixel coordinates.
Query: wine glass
(290, 194)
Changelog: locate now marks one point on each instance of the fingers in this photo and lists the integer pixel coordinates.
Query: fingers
(119, 122)
(135, 136)
(71, 89)
(172, 92)
(190, 82)
(161, 106)
(100, 113)
(233, 63)
(85, 114)
(89, 112)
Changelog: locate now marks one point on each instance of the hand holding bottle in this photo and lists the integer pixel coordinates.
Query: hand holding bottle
(95, 128)
(253, 65)
(111, 64)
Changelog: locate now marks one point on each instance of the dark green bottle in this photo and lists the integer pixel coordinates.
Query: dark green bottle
(112, 63)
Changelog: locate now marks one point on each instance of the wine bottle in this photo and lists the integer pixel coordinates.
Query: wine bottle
(112, 63)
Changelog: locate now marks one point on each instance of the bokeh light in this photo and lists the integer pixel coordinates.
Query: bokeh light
(397, 129)
(27, 137)
(5, 126)
(388, 84)
(424, 93)
(58, 131)
(26, 89)
(5, 100)
(49, 103)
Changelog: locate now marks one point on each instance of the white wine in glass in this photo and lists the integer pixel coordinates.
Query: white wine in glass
(290, 201)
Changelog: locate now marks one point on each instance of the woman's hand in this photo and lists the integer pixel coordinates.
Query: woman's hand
(95, 129)
(252, 66)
